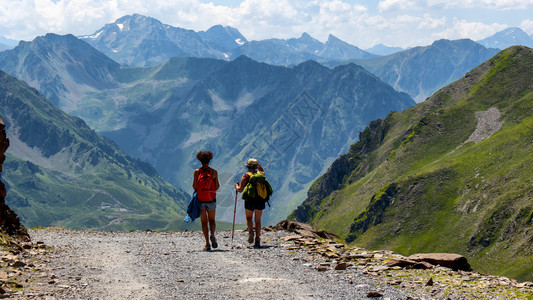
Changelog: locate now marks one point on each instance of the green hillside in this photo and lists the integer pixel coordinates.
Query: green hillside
(452, 174)
(59, 172)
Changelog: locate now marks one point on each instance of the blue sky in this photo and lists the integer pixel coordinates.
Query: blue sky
(363, 23)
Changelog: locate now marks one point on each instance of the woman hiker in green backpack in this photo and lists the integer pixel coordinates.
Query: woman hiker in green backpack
(206, 184)
(252, 207)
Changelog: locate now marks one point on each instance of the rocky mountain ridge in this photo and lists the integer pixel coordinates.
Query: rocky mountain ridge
(297, 50)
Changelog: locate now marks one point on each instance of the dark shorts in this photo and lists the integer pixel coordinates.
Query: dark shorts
(211, 205)
(253, 205)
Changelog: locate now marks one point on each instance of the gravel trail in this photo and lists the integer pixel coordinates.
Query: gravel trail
(149, 265)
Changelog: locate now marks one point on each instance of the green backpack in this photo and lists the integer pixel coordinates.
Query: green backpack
(257, 188)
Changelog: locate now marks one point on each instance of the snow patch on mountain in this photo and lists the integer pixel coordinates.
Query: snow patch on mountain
(120, 26)
(95, 36)
(240, 42)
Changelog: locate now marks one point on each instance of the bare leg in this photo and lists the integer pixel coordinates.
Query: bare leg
(212, 222)
(258, 214)
(249, 222)
(249, 219)
(205, 230)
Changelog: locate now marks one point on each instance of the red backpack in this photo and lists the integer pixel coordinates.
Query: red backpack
(205, 186)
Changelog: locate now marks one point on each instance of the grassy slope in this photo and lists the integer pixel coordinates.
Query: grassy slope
(475, 200)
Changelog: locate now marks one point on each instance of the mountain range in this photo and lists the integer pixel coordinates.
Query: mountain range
(294, 51)
(138, 40)
(59, 172)
(421, 71)
(141, 42)
(451, 174)
(444, 61)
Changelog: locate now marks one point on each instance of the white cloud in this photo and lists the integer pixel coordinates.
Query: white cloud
(429, 22)
(397, 5)
(527, 26)
(486, 4)
(406, 5)
(471, 30)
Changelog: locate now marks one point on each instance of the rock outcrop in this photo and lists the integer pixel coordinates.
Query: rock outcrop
(449, 260)
(9, 221)
(305, 230)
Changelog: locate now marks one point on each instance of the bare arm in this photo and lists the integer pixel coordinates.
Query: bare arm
(244, 182)
(195, 179)
(260, 169)
(215, 177)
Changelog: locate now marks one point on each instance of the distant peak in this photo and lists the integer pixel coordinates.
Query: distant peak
(243, 58)
(332, 38)
(51, 35)
(57, 37)
(124, 18)
(311, 64)
(512, 29)
(216, 27)
(135, 18)
(138, 16)
(441, 42)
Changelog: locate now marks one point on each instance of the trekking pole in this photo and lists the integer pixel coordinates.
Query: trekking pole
(234, 212)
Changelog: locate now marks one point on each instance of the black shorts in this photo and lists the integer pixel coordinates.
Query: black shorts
(254, 205)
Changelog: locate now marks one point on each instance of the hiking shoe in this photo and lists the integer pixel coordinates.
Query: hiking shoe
(257, 243)
(207, 247)
(250, 236)
(214, 241)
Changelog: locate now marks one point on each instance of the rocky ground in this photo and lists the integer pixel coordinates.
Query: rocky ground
(64, 264)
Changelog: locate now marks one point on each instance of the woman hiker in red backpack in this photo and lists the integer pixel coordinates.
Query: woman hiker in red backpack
(252, 207)
(206, 184)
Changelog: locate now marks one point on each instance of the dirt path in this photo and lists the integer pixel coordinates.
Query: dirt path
(147, 265)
